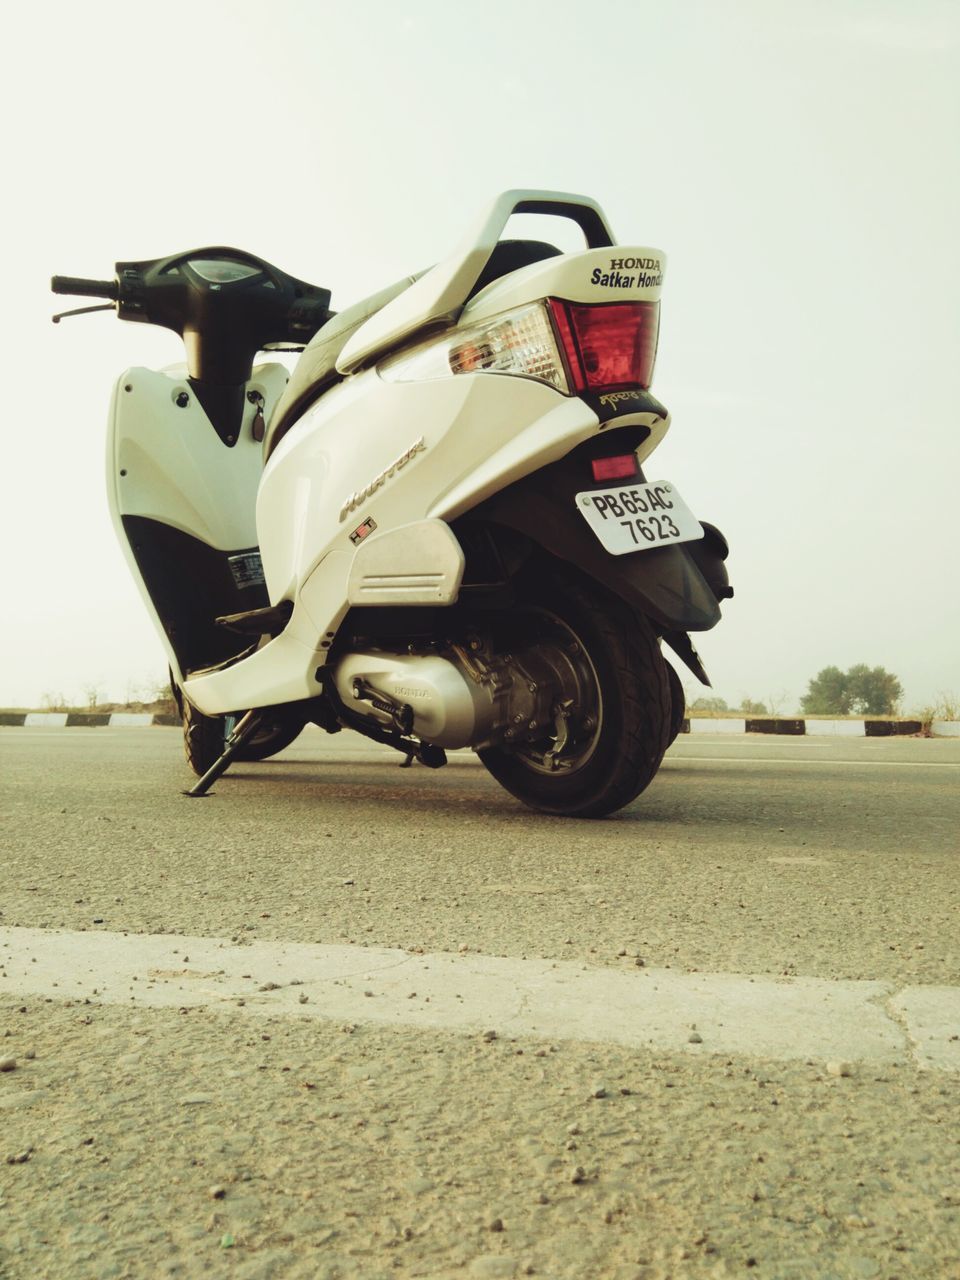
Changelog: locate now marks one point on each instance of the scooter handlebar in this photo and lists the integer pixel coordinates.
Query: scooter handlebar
(85, 288)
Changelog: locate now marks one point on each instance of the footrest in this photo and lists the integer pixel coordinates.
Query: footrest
(258, 622)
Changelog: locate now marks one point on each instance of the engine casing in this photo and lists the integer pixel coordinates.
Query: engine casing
(457, 701)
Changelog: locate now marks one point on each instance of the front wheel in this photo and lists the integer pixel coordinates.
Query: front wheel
(204, 738)
(612, 696)
(270, 739)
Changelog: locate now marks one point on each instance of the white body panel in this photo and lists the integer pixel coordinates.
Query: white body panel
(167, 463)
(472, 430)
(281, 671)
(381, 573)
(470, 427)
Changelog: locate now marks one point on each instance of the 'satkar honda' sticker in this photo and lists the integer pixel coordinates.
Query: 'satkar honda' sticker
(629, 273)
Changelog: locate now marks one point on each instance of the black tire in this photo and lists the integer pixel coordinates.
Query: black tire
(615, 748)
(678, 703)
(204, 738)
(270, 740)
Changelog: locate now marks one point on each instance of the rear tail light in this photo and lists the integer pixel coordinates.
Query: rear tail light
(607, 344)
(588, 347)
(520, 342)
(621, 467)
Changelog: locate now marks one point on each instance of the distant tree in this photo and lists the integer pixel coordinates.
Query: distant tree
(709, 704)
(751, 708)
(873, 691)
(863, 690)
(827, 694)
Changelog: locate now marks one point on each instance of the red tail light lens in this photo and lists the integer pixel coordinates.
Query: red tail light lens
(608, 344)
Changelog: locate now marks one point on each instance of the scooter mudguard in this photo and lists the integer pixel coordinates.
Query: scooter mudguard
(678, 587)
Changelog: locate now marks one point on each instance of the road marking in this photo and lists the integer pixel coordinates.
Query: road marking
(782, 1019)
(821, 764)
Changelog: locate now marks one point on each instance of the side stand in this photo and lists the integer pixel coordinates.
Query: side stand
(244, 729)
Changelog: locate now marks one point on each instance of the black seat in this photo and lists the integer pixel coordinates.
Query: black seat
(511, 255)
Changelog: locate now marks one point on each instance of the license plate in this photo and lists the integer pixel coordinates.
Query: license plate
(638, 517)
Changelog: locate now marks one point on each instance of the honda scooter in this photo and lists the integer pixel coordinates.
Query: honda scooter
(438, 531)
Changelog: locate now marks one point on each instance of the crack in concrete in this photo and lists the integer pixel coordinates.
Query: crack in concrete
(923, 1026)
(884, 1002)
(522, 1009)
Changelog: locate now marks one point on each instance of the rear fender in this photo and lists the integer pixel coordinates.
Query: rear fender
(678, 588)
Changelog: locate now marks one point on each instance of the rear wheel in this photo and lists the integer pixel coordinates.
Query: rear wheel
(612, 702)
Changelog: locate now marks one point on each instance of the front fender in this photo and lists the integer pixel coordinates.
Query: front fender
(678, 587)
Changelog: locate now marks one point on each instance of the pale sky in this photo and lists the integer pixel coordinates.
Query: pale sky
(798, 163)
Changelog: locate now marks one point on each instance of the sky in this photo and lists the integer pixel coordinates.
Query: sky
(797, 163)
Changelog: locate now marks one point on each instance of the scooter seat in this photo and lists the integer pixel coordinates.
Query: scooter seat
(317, 367)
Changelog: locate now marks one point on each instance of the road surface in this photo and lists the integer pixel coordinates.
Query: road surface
(716, 1033)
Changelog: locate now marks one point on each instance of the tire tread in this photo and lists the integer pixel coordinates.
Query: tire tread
(644, 731)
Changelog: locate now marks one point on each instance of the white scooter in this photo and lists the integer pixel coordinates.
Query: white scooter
(438, 531)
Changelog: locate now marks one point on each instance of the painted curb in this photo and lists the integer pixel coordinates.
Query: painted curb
(695, 724)
(822, 728)
(83, 719)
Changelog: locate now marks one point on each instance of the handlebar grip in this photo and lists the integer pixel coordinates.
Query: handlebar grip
(85, 288)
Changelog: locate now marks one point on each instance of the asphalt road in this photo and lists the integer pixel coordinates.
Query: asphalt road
(751, 855)
(363, 1149)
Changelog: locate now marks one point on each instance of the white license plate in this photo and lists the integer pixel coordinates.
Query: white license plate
(638, 517)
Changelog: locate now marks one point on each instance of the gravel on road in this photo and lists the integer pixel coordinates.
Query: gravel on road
(196, 1143)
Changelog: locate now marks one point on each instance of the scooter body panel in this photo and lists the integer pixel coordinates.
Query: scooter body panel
(167, 467)
(395, 453)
